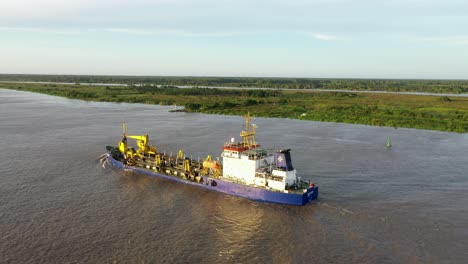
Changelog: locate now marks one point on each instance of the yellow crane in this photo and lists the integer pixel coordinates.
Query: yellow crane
(211, 167)
(142, 143)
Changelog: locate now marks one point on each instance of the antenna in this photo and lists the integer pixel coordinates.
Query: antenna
(124, 126)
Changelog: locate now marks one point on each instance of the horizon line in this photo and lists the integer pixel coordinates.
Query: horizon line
(237, 76)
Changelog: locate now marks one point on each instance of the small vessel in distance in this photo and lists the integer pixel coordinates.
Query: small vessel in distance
(246, 170)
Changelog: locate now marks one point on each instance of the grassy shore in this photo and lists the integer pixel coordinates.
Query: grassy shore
(394, 110)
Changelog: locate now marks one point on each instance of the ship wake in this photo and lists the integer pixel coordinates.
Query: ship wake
(104, 160)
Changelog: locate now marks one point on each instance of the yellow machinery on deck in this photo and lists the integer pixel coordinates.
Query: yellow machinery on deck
(147, 156)
(211, 167)
(142, 141)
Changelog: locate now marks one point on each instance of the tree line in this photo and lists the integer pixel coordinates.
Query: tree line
(392, 85)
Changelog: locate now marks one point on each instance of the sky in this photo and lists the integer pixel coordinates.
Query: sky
(425, 39)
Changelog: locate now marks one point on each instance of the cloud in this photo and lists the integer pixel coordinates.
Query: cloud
(177, 32)
(126, 31)
(40, 10)
(132, 31)
(42, 30)
(321, 36)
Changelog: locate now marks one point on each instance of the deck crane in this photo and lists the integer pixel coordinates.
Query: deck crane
(142, 141)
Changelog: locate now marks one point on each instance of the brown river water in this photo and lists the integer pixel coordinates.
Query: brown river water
(407, 204)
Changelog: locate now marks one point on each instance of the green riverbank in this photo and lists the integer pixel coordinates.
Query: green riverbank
(394, 110)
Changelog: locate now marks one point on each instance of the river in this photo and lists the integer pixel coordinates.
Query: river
(407, 204)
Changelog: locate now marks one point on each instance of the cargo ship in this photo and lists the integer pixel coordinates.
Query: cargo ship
(246, 170)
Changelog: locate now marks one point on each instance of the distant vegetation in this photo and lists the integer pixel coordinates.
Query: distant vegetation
(394, 110)
(427, 86)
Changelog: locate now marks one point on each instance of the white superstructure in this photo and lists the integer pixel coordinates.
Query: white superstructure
(247, 163)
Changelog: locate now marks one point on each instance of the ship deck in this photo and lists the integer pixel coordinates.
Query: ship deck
(174, 166)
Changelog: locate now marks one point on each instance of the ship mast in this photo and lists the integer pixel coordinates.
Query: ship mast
(248, 135)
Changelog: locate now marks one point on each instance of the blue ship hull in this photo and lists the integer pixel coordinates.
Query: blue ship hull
(257, 194)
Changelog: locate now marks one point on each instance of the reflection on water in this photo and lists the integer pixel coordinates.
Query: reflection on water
(407, 204)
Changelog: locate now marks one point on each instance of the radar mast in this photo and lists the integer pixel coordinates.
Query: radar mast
(248, 135)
